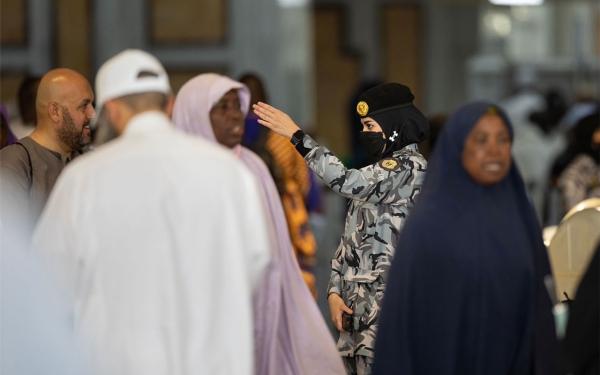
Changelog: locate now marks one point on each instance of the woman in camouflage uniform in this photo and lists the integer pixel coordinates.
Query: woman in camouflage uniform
(382, 195)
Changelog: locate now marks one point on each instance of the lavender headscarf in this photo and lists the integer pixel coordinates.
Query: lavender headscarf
(290, 334)
(11, 137)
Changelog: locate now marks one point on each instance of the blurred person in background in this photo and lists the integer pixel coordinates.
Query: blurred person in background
(293, 179)
(436, 123)
(290, 334)
(7, 137)
(29, 168)
(555, 107)
(580, 349)
(580, 179)
(547, 121)
(26, 97)
(586, 103)
(466, 294)
(533, 150)
(140, 230)
(381, 194)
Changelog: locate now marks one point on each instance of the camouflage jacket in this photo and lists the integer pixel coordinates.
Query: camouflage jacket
(381, 196)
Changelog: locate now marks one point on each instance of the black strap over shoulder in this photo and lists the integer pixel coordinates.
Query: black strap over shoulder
(30, 165)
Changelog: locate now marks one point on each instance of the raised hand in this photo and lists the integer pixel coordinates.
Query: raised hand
(275, 120)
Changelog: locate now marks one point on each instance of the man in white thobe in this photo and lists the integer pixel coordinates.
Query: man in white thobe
(158, 238)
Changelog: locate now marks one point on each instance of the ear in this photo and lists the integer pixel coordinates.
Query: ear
(55, 112)
(170, 105)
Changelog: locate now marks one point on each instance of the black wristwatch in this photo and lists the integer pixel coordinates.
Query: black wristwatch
(297, 137)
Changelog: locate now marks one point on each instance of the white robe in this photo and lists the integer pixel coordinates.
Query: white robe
(159, 239)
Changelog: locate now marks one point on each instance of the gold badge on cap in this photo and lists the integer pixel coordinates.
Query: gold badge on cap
(492, 111)
(389, 164)
(362, 108)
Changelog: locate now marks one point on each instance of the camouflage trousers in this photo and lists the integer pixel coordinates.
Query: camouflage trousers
(358, 365)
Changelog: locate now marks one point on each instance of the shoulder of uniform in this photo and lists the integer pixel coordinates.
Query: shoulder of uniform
(403, 160)
(390, 164)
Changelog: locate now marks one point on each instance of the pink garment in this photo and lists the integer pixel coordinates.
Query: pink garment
(291, 337)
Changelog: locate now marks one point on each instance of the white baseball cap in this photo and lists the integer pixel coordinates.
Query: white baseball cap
(132, 71)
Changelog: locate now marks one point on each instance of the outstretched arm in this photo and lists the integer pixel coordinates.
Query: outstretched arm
(378, 183)
(275, 120)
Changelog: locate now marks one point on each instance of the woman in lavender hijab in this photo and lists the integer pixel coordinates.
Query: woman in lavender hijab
(291, 336)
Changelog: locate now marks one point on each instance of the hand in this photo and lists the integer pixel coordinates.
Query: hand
(337, 307)
(275, 120)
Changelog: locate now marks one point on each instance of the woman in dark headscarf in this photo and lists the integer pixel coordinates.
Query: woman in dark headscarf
(382, 195)
(466, 294)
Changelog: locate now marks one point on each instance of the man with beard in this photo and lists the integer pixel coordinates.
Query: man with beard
(158, 237)
(30, 167)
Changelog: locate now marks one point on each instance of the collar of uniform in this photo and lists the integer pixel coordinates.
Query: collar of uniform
(149, 121)
(410, 149)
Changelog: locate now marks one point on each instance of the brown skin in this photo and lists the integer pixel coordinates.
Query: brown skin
(337, 307)
(227, 120)
(64, 111)
(486, 152)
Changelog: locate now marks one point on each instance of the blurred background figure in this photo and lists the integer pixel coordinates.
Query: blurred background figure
(26, 122)
(7, 137)
(581, 177)
(535, 143)
(586, 103)
(436, 123)
(471, 298)
(580, 349)
(292, 177)
(555, 107)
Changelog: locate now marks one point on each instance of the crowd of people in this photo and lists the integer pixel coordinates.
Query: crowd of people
(153, 233)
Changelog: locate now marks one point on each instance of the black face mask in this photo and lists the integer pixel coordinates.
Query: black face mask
(374, 143)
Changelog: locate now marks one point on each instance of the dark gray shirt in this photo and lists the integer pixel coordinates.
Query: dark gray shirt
(23, 191)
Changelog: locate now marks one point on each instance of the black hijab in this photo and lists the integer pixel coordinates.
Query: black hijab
(391, 105)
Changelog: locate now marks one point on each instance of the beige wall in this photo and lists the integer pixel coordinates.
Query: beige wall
(188, 21)
(338, 74)
(73, 35)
